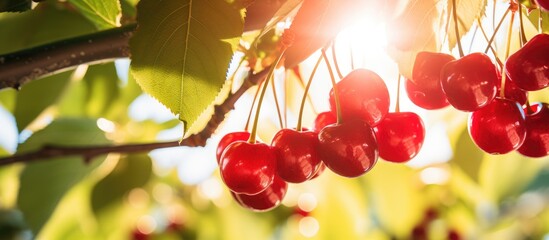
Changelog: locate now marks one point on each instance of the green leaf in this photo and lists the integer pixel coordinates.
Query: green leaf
(44, 183)
(46, 23)
(131, 172)
(15, 5)
(316, 23)
(32, 100)
(8, 98)
(181, 52)
(102, 88)
(103, 14)
(534, 18)
(415, 30)
(468, 11)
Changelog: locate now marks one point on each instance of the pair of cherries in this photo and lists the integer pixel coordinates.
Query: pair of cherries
(258, 174)
(497, 125)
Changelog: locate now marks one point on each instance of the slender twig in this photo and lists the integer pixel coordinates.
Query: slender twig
(487, 40)
(89, 152)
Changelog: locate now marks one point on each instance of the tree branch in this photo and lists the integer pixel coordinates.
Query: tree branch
(89, 152)
(23, 66)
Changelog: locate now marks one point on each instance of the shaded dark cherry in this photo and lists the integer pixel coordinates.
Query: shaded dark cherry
(536, 143)
(248, 168)
(498, 128)
(543, 4)
(266, 200)
(324, 119)
(228, 139)
(400, 136)
(469, 82)
(363, 95)
(529, 66)
(424, 89)
(348, 149)
(297, 157)
(512, 92)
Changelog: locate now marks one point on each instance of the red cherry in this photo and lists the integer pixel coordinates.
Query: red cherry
(348, 149)
(228, 139)
(138, 235)
(424, 89)
(512, 92)
(400, 136)
(529, 66)
(297, 157)
(266, 200)
(499, 127)
(536, 143)
(248, 168)
(543, 4)
(469, 82)
(363, 95)
(324, 119)
(319, 171)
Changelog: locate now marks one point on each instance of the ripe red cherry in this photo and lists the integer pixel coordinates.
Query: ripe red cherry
(248, 168)
(348, 149)
(363, 95)
(266, 200)
(324, 119)
(297, 157)
(400, 136)
(469, 82)
(543, 4)
(228, 139)
(529, 66)
(536, 143)
(424, 89)
(319, 171)
(512, 92)
(498, 128)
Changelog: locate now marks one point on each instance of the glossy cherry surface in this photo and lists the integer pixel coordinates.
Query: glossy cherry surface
(512, 92)
(248, 168)
(529, 66)
(543, 4)
(498, 128)
(536, 143)
(266, 200)
(297, 158)
(324, 119)
(228, 139)
(400, 136)
(469, 82)
(363, 95)
(348, 149)
(424, 88)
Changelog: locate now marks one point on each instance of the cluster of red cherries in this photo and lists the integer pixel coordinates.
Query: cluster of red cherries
(500, 121)
(359, 128)
(258, 174)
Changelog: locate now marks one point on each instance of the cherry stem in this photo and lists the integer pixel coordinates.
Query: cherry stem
(490, 45)
(507, 48)
(275, 96)
(496, 30)
(334, 86)
(397, 107)
(306, 93)
(352, 56)
(308, 96)
(456, 28)
(252, 107)
(523, 39)
(263, 90)
(334, 57)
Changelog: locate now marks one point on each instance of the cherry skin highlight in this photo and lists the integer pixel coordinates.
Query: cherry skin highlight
(498, 128)
(536, 143)
(424, 88)
(324, 119)
(469, 82)
(297, 157)
(266, 200)
(248, 168)
(400, 136)
(348, 149)
(528, 68)
(228, 139)
(363, 95)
